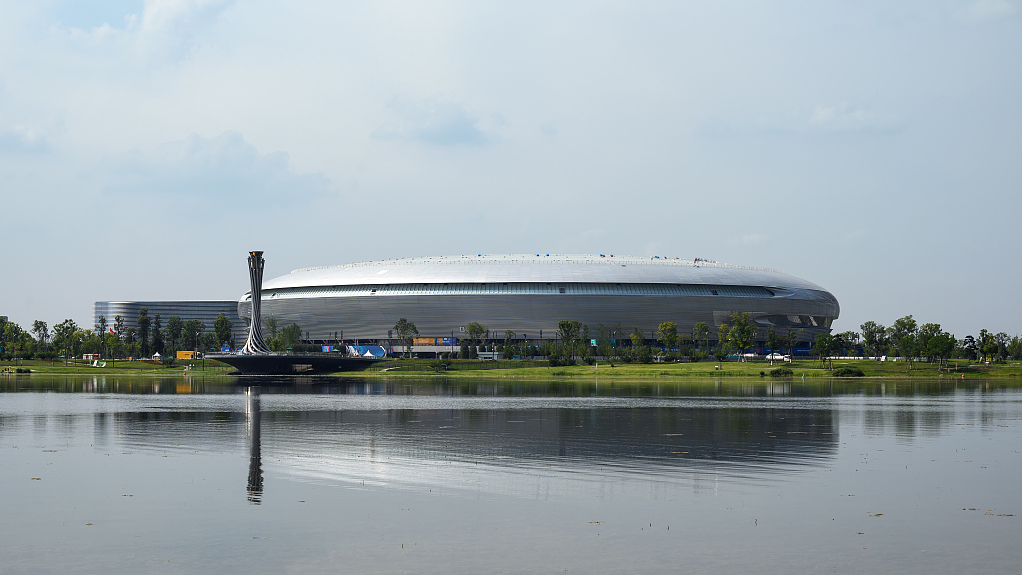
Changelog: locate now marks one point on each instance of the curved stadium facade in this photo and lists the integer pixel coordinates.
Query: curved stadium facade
(529, 294)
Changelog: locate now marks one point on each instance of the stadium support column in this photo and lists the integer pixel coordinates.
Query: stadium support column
(254, 344)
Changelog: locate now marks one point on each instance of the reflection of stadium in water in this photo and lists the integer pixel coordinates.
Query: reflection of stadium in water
(457, 446)
(633, 436)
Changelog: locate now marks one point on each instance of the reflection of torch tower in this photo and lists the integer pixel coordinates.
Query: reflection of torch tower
(254, 343)
(255, 467)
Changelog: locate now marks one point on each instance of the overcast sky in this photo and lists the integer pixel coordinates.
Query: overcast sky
(874, 148)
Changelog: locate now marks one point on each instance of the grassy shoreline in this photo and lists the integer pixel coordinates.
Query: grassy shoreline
(125, 368)
(425, 370)
(750, 369)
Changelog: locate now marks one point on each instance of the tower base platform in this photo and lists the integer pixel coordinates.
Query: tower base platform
(282, 364)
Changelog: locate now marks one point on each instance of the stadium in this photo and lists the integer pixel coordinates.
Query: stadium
(530, 294)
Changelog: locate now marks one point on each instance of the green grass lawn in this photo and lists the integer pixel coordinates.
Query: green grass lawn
(540, 369)
(119, 367)
(808, 368)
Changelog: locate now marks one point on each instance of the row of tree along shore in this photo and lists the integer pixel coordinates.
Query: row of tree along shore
(113, 339)
(574, 341)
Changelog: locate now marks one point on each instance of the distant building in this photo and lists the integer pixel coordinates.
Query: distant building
(204, 311)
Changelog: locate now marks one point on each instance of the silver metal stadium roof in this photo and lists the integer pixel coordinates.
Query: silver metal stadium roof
(531, 268)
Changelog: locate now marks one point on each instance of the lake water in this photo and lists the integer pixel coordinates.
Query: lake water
(102, 475)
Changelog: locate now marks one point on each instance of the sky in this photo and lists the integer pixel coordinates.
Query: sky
(873, 147)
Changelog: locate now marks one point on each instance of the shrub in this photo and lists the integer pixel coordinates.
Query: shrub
(848, 371)
(439, 365)
(781, 372)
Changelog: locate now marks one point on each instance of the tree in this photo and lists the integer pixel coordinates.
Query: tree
(569, 332)
(119, 326)
(222, 329)
(509, 349)
(11, 337)
(899, 335)
(849, 342)
(701, 332)
(742, 333)
(475, 332)
(209, 340)
(667, 333)
(940, 346)
(101, 324)
(272, 329)
(78, 338)
(791, 339)
(190, 331)
(129, 336)
(41, 331)
(824, 345)
(926, 332)
(909, 348)
(63, 334)
(144, 323)
(406, 332)
(175, 327)
(773, 340)
(604, 344)
(112, 344)
(987, 346)
(970, 347)
(1001, 340)
(874, 337)
(158, 334)
(723, 343)
(640, 351)
(1015, 348)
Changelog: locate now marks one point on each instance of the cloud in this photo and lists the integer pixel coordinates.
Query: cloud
(436, 121)
(22, 140)
(162, 27)
(222, 169)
